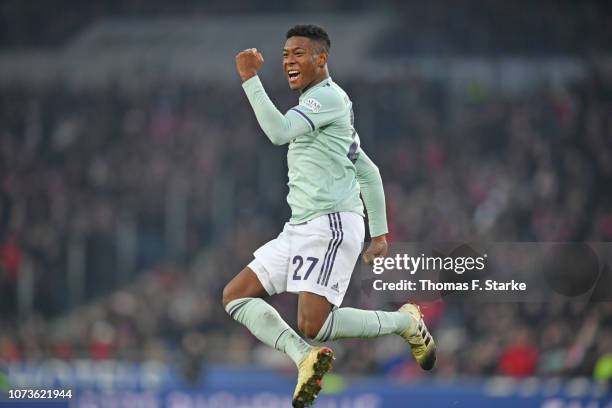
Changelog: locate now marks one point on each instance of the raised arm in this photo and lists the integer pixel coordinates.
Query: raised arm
(279, 128)
(373, 196)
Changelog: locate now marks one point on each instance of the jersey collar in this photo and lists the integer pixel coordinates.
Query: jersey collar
(327, 81)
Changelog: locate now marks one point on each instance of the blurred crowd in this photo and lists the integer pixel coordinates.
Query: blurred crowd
(443, 27)
(493, 27)
(80, 165)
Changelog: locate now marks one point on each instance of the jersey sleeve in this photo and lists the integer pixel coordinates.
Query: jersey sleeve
(279, 128)
(372, 192)
(321, 108)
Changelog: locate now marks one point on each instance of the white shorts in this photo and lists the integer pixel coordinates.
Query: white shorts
(317, 256)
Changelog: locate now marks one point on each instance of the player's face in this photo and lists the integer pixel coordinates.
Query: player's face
(301, 62)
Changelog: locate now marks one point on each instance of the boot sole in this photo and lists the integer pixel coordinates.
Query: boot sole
(311, 388)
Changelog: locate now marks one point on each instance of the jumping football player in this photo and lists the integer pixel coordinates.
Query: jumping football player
(316, 252)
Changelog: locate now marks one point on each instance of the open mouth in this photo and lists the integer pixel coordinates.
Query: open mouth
(293, 74)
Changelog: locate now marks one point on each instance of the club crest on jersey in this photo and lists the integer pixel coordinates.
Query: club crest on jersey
(312, 104)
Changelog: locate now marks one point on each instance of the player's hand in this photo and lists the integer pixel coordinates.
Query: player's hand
(377, 249)
(248, 63)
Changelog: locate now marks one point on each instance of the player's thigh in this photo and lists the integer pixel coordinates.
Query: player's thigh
(245, 284)
(323, 255)
(271, 263)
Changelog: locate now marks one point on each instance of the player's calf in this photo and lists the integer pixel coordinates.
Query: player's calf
(313, 311)
(310, 328)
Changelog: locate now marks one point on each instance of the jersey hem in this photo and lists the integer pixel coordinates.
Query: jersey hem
(294, 221)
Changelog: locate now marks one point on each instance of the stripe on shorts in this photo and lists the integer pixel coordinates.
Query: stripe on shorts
(330, 246)
(335, 250)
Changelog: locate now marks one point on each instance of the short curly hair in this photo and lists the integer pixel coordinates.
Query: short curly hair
(312, 31)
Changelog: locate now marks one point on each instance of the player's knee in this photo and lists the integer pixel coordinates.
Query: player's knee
(229, 294)
(309, 327)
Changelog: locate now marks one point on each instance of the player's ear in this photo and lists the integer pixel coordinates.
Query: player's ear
(323, 58)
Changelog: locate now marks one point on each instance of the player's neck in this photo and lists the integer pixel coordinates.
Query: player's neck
(317, 80)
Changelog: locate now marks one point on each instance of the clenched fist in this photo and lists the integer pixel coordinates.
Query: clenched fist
(377, 249)
(248, 63)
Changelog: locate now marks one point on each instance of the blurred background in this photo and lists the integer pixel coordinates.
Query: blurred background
(135, 182)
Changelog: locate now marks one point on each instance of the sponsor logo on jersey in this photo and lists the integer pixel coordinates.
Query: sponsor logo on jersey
(335, 287)
(312, 104)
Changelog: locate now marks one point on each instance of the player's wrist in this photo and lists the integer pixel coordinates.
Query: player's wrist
(380, 238)
(248, 74)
